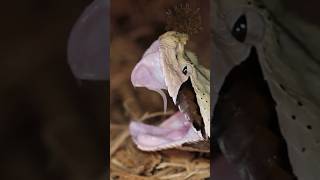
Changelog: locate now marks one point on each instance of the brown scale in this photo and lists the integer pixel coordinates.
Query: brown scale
(187, 103)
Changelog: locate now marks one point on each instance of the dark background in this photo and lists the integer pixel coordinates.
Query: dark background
(52, 126)
(308, 10)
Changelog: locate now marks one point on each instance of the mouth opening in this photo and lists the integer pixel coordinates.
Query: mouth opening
(185, 126)
(245, 122)
(187, 103)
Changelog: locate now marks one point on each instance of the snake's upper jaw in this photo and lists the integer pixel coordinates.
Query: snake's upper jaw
(174, 131)
(148, 72)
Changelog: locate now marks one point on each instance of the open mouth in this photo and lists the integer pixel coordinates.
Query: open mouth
(245, 123)
(185, 126)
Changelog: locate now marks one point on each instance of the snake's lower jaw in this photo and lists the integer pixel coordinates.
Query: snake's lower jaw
(173, 132)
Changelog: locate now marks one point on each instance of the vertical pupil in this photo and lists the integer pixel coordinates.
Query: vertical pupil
(239, 30)
(184, 71)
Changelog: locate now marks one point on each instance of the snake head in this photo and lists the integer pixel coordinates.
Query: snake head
(161, 69)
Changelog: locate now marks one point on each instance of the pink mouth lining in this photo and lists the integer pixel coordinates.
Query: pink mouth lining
(173, 132)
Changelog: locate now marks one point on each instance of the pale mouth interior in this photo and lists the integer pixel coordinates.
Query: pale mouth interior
(172, 132)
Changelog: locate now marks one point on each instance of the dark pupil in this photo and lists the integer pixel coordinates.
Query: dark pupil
(239, 30)
(184, 71)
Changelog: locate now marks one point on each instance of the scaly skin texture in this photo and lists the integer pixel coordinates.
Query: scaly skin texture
(166, 65)
(248, 136)
(174, 61)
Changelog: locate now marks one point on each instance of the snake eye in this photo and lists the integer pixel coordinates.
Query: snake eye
(185, 70)
(239, 30)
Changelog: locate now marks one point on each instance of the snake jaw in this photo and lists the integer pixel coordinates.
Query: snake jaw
(176, 130)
